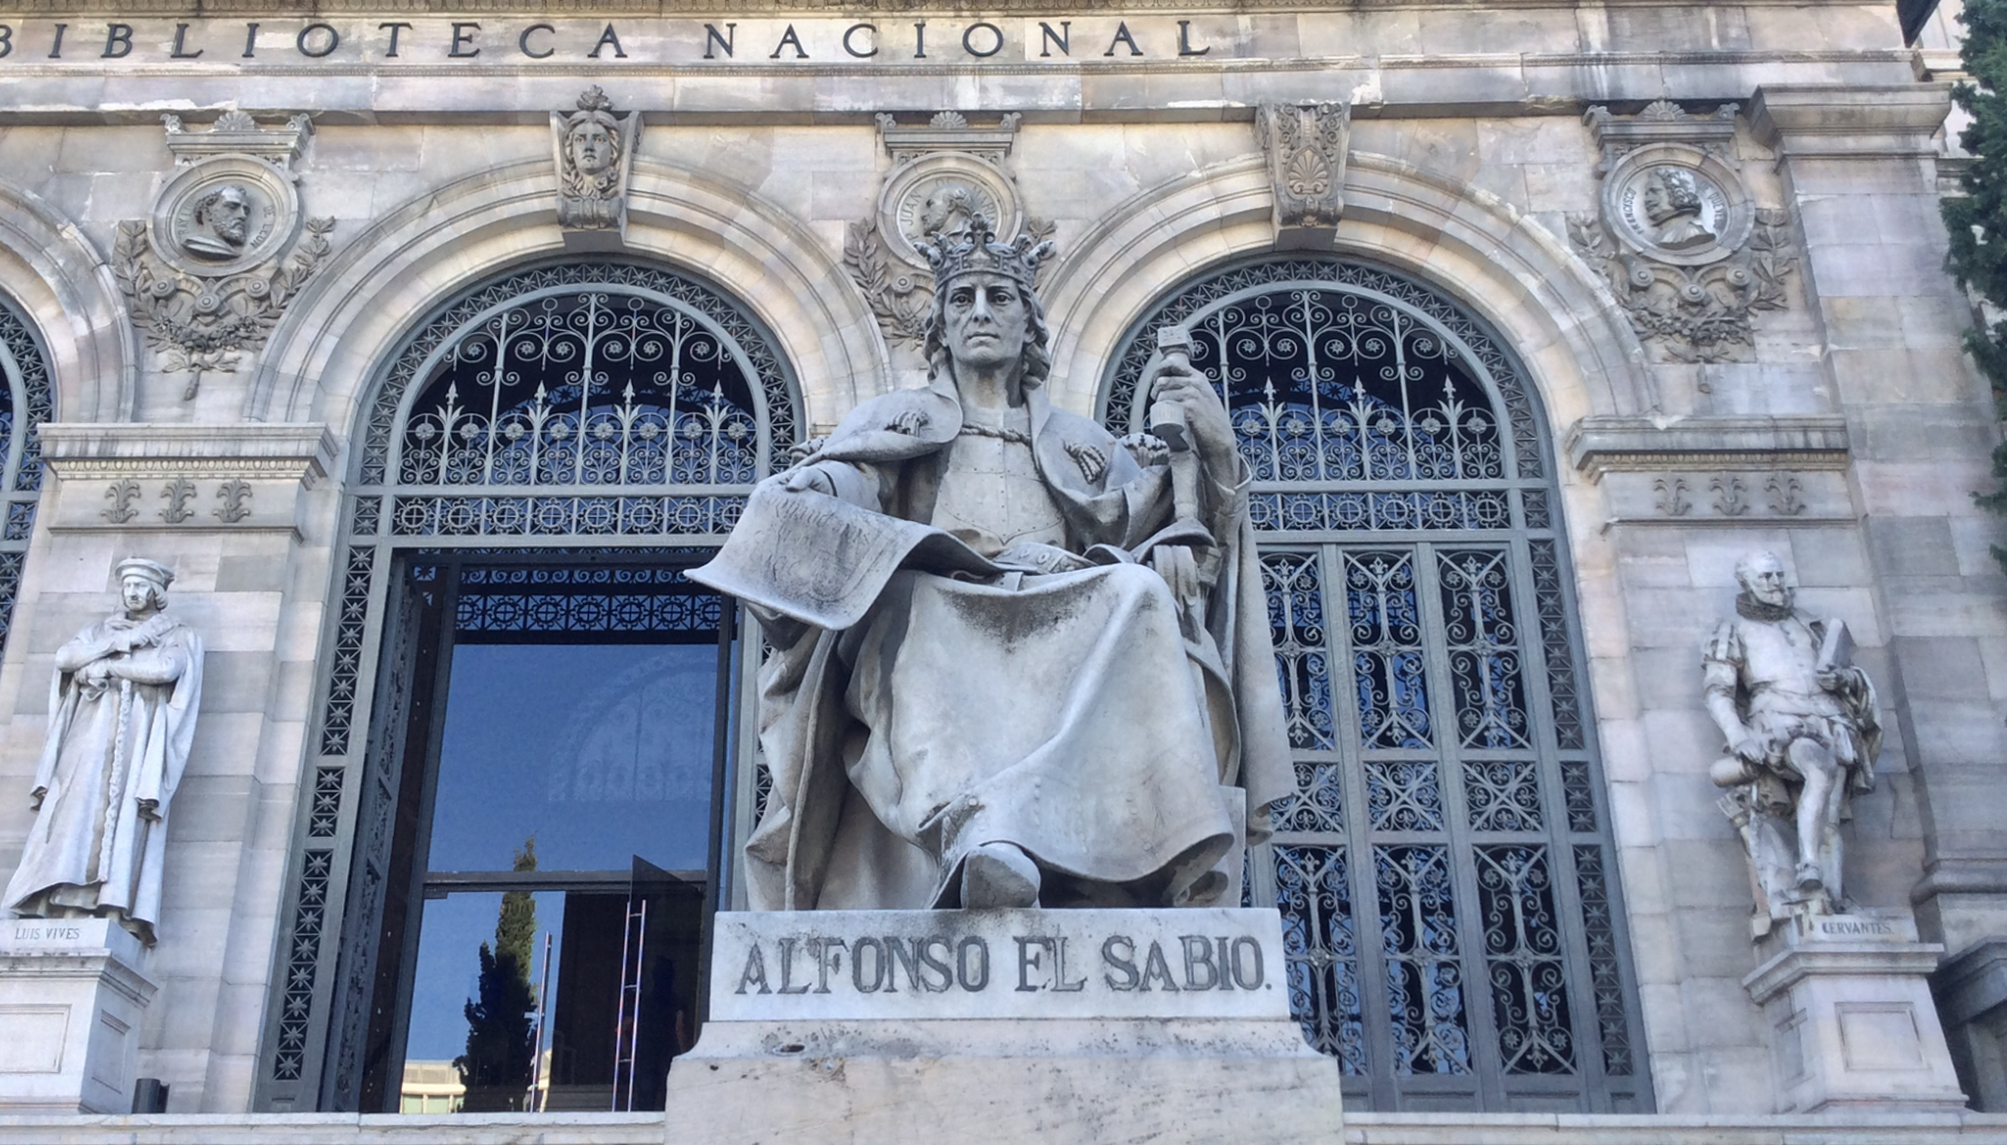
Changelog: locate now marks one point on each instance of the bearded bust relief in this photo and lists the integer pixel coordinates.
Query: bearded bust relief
(221, 223)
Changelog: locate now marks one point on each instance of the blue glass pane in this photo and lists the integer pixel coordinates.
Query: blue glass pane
(602, 752)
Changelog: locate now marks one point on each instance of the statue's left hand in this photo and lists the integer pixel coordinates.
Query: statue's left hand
(1204, 413)
(149, 809)
(35, 798)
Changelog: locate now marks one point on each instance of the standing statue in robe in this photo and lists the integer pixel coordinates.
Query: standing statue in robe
(1017, 662)
(121, 717)
(1802, 736)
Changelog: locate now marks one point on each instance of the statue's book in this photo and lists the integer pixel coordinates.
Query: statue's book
(824, 561)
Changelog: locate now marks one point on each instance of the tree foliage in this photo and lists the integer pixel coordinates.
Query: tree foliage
(500, 1048)
(1977, 221)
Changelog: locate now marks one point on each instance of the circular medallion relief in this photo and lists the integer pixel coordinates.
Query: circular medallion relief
(940, 194)
(225, 216)
(1678, 204)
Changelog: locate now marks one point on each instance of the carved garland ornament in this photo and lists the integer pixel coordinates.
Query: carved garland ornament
(1689, 257)
(208, 274)
(943, 177)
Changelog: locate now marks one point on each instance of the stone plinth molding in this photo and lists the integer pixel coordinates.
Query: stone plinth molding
(1002, 1025)
(1852, 1023)
(72, 992)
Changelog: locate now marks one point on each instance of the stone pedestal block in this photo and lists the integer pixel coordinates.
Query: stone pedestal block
(1102, 1026)
(71, 995)
(1852, 1025)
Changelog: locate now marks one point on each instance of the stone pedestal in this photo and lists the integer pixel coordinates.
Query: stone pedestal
(1102, 1026)
(1852, 1025)
(71, 995)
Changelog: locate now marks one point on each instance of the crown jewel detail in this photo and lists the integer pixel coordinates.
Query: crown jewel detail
(979, 252)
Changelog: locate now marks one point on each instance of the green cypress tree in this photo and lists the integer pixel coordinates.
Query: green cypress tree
(496, 1066)
(1977, 222)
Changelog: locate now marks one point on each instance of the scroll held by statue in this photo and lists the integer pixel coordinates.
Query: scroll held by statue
(823, 561)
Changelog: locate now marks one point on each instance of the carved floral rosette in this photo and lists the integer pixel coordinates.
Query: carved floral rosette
(943, 176)
(226, 249)
(1686, 252)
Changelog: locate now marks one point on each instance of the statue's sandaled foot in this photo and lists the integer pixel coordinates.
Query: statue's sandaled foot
(1810, 877)
(998, 876)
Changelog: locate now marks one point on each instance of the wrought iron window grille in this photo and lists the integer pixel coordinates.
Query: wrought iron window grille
(1453, 937)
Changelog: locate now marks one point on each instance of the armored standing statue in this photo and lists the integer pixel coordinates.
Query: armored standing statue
(1017, 661)
(121, 717)
(1802, 737)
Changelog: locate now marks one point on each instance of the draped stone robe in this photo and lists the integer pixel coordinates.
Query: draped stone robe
(92, 848)
(1127, 741)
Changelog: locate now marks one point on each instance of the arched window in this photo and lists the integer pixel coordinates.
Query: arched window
(24, 406)
(524, 743)
(1445, 873)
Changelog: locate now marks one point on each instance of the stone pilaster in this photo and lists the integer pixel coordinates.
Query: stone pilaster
(1859, 171)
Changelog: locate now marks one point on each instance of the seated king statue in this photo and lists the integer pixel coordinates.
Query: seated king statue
(1016, 661)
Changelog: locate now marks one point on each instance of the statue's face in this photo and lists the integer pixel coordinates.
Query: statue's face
(1763, 579)
(136, 592)
(988, 319)
(230, 216)
(591, 147)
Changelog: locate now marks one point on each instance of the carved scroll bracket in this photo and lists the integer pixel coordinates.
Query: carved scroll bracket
(1307, 145)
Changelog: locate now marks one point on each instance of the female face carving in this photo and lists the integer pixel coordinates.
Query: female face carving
(591, 147)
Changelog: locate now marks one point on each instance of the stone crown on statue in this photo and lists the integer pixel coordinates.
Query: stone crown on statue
(982, 253)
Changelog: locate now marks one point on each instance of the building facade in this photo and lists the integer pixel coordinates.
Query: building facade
(430, 344)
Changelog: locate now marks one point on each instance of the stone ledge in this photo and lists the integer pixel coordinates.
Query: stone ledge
(1857, 1128)
(1852, 120)
(83, 451)
(1599, 445)
(1973, 981)
(1794, 964)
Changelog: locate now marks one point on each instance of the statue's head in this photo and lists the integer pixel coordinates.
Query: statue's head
(1671, 193)
(592, 135)
(986, 309)
(226, 212)
(142, 584)
(1761, 575)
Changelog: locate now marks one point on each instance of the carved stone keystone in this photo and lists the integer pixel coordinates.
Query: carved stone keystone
(1307, 145)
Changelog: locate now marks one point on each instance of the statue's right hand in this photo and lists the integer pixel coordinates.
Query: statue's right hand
(809, 480)
(96, 673)
(35, 798)
(1750, 748)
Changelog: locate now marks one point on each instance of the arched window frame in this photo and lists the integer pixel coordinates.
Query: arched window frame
(310, 1009)
(1342, 822)
(25, 370)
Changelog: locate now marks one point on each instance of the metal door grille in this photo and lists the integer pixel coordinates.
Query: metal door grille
(581, 407)
(24, 406)
(1442, 871)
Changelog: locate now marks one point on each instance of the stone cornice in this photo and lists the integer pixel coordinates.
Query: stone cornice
(1599, 445)
(587, 9)
(300, 452)
(1847, 121)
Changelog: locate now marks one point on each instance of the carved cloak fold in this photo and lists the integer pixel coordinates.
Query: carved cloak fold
(836, 745)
